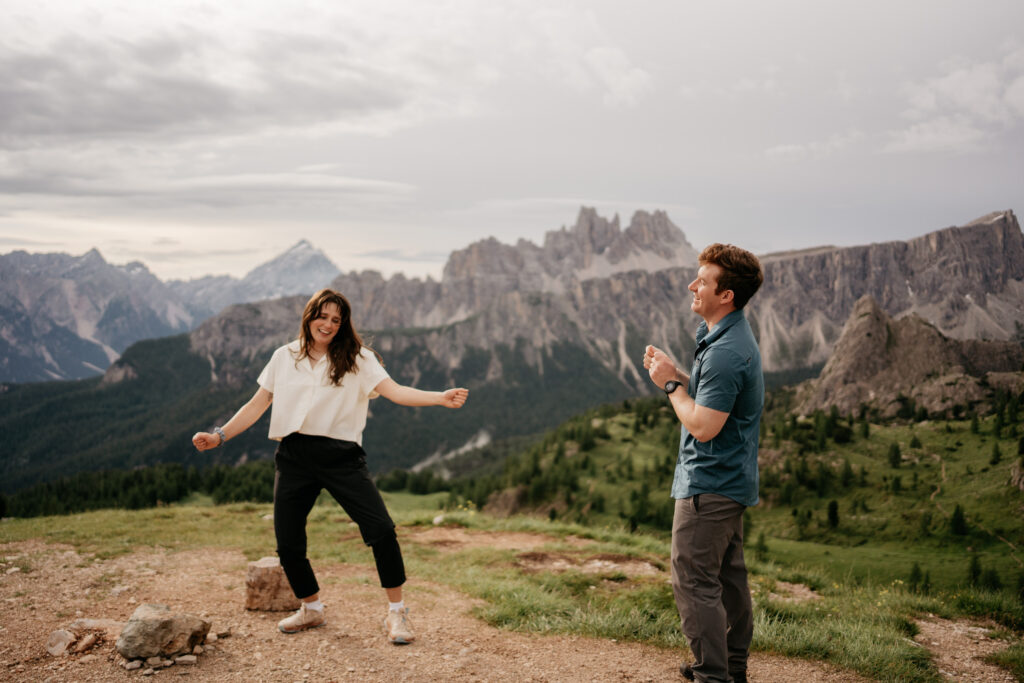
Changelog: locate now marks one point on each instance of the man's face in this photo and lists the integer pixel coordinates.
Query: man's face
(706, 303)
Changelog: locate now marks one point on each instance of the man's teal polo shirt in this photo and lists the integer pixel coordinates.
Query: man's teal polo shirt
(726, 376)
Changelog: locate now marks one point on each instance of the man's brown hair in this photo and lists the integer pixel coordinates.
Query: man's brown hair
(741, 271)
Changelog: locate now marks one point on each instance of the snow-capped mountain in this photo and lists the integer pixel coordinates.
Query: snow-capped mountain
(302, 269)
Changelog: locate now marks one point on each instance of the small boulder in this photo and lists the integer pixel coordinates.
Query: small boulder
(154, 630)
(266, 587)
(59, 642)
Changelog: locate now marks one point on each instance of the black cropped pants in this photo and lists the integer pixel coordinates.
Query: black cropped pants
(305, 465)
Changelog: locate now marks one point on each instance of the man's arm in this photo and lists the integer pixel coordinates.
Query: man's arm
(702, 422)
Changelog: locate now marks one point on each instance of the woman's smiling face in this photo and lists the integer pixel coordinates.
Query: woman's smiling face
(323, 327)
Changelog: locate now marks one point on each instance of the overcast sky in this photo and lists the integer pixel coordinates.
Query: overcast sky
(205, 137)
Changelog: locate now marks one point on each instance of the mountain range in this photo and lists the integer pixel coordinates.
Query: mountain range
(69, 317)
(541, 332)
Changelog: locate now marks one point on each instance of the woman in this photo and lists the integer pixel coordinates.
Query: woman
(320, 386)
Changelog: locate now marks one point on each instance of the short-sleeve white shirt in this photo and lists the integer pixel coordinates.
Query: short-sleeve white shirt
(306, 401)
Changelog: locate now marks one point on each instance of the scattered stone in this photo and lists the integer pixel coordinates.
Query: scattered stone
(87, 642)
(59, 642)
(155, 630)
(438, 520)
(269, 516)
(186, 659)
(13, 570)
(110, 626)
(133, 665)
(266, 587)
(211, 637)
(224, 632)
(88, 658)
(148, 672)
(197, 650)
(154, 661)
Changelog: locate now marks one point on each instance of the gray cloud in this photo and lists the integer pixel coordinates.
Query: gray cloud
(169, 86)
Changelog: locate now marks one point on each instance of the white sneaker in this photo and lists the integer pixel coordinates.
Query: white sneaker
(302, 620)
(397, 625)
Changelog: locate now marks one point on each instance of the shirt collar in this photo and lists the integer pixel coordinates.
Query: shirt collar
(704, 337)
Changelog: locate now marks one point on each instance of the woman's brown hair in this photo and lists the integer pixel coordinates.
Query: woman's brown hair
(345, 347)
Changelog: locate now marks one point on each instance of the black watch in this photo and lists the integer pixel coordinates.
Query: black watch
(671, 386)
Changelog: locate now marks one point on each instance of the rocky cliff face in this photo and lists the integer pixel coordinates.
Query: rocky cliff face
(878, 361)
(967, 281)
(67, 317)
(474, 277)
(963, 281)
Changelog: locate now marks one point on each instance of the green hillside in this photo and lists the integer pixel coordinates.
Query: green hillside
(881, 534)
(57, 429)
(832, 499)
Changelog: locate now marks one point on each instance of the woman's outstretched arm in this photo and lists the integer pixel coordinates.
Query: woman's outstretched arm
(407, 396)
(242, 420)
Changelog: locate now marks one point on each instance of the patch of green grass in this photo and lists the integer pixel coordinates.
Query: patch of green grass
(1011, 659)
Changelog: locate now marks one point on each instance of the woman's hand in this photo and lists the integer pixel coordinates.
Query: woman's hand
(204, 441)
(454, 398)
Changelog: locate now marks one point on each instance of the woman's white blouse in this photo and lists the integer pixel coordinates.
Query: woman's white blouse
(306, 401)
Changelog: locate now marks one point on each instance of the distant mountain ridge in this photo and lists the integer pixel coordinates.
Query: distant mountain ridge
(301, 269)
(69, 317)
(537, 338)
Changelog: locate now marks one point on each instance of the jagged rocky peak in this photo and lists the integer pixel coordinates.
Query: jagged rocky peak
(591, 234)
(882, 362)
(593, 247)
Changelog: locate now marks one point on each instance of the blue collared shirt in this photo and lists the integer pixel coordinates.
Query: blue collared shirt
(726, 376)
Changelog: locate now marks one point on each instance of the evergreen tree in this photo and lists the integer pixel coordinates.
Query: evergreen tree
(846, 476)
(865, 429)
(833, 513)
(957, 522)
(915, 578)
(974, 571)
(974, 423)
(996, 455)
(990, 580)
(761, 549)
(915, 442)
(894, 455)
(926, 523)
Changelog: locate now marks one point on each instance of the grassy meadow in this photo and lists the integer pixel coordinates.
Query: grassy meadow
(871, 533)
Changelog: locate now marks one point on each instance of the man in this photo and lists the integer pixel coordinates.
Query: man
(719, 405)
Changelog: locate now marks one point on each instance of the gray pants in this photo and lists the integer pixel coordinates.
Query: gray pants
(709, 580)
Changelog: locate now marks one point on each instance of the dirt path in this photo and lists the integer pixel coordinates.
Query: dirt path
(53, 586)
(44, 587)
(959, 647)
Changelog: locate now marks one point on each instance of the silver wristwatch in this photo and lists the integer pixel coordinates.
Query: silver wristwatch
(220, 432)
